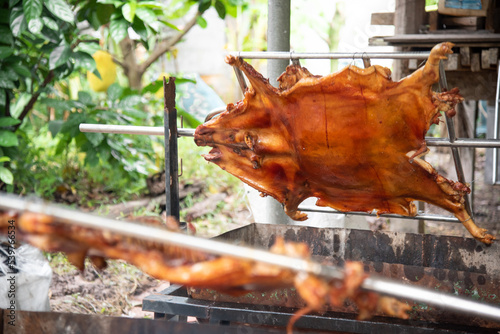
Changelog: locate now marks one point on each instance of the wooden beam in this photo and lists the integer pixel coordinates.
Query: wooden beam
(382, 19)
(465, 56)
(452, 63)
(493, 56)
(475, 62)
(485, 59)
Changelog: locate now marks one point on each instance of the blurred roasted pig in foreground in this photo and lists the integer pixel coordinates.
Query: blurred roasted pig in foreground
(353, 139)
(197, 269)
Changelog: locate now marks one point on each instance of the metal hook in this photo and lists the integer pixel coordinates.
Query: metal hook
(366, 60)
(182, 170)
(294, 61)
(213, 113)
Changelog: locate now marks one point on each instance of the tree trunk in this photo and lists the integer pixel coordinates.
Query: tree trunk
(130, 67)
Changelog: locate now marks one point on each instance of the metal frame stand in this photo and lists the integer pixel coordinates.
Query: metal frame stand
(171, 149)
(174, 304)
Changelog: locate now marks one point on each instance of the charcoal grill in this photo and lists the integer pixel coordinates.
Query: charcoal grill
(456, 265)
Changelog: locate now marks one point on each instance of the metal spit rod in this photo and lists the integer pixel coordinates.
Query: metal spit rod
(419, 216)
(331, 55)
(184, 132)
(149, 233)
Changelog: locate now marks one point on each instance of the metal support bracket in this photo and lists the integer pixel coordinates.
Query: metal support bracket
(450, 125)
(171, 151)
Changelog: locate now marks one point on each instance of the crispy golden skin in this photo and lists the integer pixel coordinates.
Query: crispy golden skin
(352, 139)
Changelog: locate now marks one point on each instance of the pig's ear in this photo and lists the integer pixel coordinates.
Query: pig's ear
(259, 84)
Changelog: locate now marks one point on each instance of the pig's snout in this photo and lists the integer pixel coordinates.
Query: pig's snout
(203, 136)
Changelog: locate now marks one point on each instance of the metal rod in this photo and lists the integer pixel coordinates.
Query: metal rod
(443, 85)
(133, 130)
(183, 132)
(495, 128)
(153, 234)
(419, 216)
(443, 300)
(459, 142)
(241, 79)
(330, 55)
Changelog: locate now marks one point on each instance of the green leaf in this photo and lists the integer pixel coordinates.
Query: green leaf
(35, 25)
(151, 4)
(147, 15)
(12, 3)
(72, 125)
(9, 73)
(170, 25)
(91, 157)
(6, 83)
(128, 11)
(60, 9)
(118, 29)
(17, 22)
(6, 175)
(221, 9)
(55, 127)
(85, 98)
(201, 22)
(32, 9)
(129, 101)
(59, 56)
(58, 104)
(5, 35)
(21, 102)
(140, 29)
(115, 3)
(204, 5)
(4, 16)
(21, 70)
(3, 97)
(32, 12)
(94, 138)
(8, 138)
(115, 91)
(5, 51)
(8, 121)
(49, 23)
(84, 60)
(152, 87)
(4, 159)
(103, 14)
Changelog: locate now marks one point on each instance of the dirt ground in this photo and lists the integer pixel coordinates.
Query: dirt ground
(119, 289)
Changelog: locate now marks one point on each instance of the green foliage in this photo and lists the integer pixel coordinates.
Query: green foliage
(42, 54)
(37, 47)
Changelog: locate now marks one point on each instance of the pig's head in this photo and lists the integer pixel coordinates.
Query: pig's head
(251, 140)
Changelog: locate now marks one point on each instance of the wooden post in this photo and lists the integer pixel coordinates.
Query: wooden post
(409, 17)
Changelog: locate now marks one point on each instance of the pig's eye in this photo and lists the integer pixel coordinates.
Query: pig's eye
(231, 137)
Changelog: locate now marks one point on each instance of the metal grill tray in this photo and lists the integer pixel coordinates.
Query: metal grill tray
(462, 266)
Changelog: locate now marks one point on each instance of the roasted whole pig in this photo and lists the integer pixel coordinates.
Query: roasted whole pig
(197, 269)
(353, 139)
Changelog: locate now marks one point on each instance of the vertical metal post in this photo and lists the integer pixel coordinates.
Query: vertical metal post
(278, 36)
(495, 128)
(269, 210)
(171, 154)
